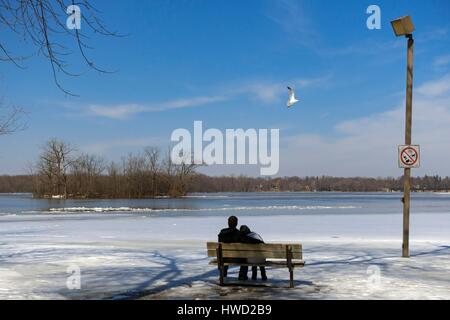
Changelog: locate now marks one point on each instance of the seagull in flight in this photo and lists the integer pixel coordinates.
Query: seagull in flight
(292, 100)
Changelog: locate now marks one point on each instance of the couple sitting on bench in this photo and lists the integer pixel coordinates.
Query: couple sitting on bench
(243, 235)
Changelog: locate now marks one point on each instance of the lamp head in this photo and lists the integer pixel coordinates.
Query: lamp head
(403, 26)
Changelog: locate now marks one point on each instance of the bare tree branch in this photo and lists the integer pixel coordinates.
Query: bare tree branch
(43, 24)
(11, 120)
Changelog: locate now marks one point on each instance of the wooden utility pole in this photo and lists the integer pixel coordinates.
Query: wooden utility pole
(407, 173)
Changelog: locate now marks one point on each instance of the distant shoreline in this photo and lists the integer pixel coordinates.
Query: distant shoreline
(161, 186)
(193, 194)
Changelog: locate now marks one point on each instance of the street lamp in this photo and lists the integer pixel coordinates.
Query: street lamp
(404, 27)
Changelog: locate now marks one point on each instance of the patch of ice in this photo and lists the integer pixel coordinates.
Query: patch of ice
(226, 208)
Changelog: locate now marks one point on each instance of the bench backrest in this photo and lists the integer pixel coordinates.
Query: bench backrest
(243, 250)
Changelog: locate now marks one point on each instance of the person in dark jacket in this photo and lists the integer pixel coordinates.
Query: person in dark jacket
(247, 236)
(229, 235)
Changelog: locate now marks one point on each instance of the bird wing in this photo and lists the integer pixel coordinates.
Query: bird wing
(292, 99)
(291, 92)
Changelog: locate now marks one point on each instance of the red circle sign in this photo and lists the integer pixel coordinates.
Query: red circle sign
(409, 156)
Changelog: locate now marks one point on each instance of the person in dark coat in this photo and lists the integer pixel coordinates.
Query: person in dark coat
(229, 235)
(250, 237)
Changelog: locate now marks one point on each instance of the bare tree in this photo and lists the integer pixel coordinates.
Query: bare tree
(184, 175)
(114, 174)
(134, 169)
(86, 171)
(59, 171)
(43, 24)
(179, 175)
(11, 119)
(152, 155)
(53, 166)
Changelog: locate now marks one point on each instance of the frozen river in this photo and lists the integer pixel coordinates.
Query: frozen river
(156, 248)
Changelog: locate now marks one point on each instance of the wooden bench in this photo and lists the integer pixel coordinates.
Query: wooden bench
(276, 255)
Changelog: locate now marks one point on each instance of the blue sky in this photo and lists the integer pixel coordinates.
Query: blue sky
(227, 63)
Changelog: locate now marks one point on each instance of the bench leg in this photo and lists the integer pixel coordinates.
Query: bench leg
(290, 265)
(220, 264)
(291, 278)
(221, 275)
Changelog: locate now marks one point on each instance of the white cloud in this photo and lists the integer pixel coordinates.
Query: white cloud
(368, 146)
(107, 146)
(314, 82)
(263, 91)
(291, 16)
(435, 34)
(271, 91)
(436, 88)
(186, 103)
(358, 147)
(123, 111)
(442, 61)
(115, 112)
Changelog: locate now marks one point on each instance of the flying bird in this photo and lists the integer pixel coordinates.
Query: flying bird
(292, 100)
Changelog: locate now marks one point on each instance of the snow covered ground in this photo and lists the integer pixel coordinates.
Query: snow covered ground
(123, 256)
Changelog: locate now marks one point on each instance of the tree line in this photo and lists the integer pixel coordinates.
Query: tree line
(63, 172)
(203, 183)
(60, 171)
(114, 183)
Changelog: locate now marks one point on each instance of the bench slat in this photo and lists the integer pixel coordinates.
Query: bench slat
(255, 247)
(244, 250)
(254, 254)
(272, 264)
